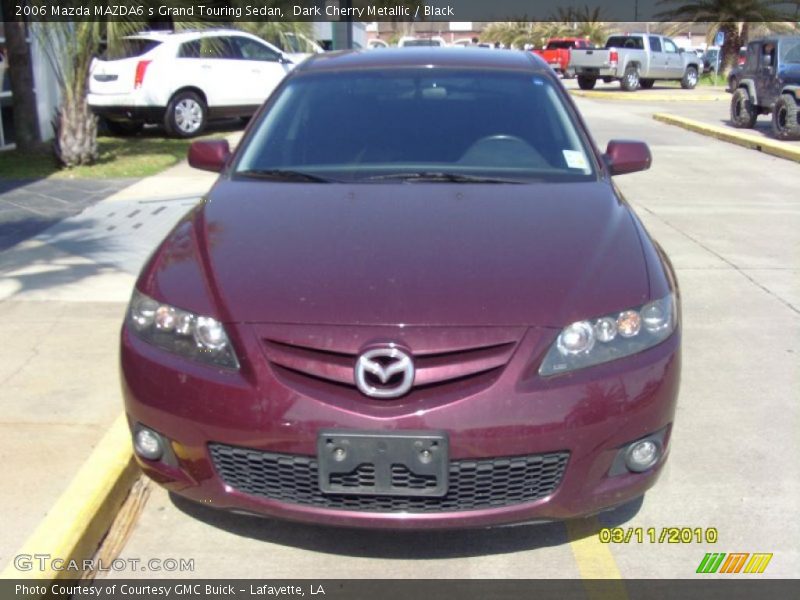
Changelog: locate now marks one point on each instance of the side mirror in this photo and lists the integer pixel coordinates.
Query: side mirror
(626, 156)
(209, 155)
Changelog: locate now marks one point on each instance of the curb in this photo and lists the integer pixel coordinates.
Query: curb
(645, 96)
(74, 527)
(734, 136)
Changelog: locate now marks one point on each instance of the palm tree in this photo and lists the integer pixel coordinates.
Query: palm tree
(731, 17)
(26, 121)
(70, 47)
(516, 34)
(583, 22)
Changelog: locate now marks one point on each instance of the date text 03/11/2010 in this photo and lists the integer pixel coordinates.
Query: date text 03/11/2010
(664, 535)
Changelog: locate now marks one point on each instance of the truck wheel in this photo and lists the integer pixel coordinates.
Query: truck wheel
(630, 80)
(586, 83)
(646, 84)
(743, 113)
(784, 118)
(187, 115)
(689, 79)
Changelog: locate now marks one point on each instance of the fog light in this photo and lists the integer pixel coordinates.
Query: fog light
(642, 455)
(148, 444)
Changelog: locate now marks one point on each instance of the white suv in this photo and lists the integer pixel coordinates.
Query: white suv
(184, 79)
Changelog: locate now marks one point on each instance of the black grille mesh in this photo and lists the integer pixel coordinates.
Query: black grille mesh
(473, 484)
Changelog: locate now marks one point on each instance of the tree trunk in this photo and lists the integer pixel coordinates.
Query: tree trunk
(730, 47)
(26, 119)
(76, 132)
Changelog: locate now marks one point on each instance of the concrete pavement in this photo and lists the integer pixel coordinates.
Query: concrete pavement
(62, 298)
(28, 207)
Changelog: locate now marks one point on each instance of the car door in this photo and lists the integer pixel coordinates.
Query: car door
(209, 63)
(674, 60)
(767, 84)
(266, 67)
(658, 59)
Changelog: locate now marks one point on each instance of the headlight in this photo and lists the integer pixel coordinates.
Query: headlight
(586, 343)
(179, 331)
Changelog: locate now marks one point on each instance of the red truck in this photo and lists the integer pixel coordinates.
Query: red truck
(556, 52)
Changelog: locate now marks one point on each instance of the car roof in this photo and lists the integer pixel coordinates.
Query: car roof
(476, 58)
(775, 38)
(186, 34)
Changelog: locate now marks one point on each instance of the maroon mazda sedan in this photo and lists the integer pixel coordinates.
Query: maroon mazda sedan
(413, 298)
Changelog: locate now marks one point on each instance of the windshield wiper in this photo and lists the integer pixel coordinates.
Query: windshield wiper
(283, 175)
(439, 176)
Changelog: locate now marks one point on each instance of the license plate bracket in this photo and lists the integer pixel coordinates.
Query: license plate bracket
(392, 463)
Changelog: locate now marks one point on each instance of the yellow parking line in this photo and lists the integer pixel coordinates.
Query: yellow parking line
(77, 522)
(594, 560)
(777, 148)
(646, 96)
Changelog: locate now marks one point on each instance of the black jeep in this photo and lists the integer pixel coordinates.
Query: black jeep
(769, 82)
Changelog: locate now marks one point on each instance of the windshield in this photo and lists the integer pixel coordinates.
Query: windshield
(373, 125)
(560, 45)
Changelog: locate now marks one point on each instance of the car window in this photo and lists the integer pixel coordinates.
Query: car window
(212, 47)
(562, 45)
(768, 55)
(751, 57)
(253, 50)
(655, 44)
(790, 52)
(129, 48)
(356, 125)
(625, 41)
(670, 47)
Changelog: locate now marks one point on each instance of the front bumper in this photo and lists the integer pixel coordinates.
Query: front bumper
(256, 415)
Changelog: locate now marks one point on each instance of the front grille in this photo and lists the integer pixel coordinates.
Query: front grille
(473, 484)
(460, 364)
(360, 477)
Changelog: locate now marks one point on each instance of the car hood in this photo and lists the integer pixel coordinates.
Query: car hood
(412, 253)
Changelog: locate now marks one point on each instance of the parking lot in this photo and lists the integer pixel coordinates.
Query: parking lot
(729, 219)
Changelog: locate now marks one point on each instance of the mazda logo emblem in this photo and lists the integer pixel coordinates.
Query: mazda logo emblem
(386, 372)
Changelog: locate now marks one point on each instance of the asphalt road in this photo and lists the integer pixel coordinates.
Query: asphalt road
(729, 218)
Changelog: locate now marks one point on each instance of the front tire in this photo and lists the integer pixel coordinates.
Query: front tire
(187, 115)
(689, 79)
(743, 113)
(586, 83)
(784, 118)
(630, 79)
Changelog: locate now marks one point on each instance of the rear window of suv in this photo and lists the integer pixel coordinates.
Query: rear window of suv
(357, 125)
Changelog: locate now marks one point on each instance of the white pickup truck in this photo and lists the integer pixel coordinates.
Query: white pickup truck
(636, 60)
